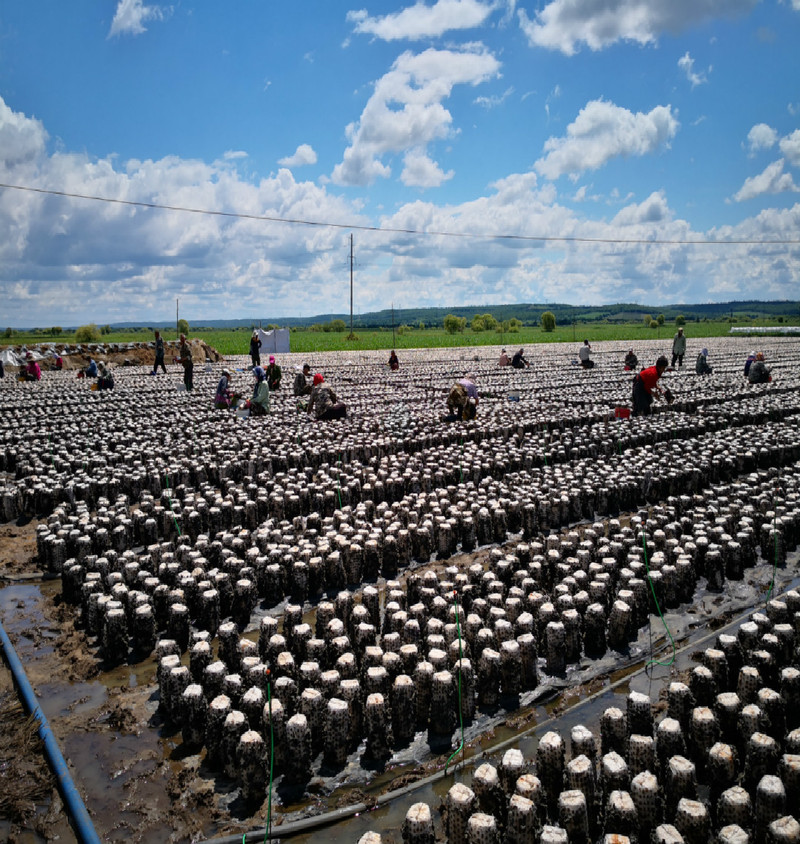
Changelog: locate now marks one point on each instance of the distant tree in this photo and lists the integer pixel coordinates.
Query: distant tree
(514, 325)
(477, 323)
(8, 333)
(489, 322)
(647, 319)
(317, 326)
(780, 319)
(404, 329)
(56, 330)
(338, 325)
(653, 323)
(660, 319)
(87, 333)
(453, 324)
(548, 321)
(421, 325)
(105, 329)
(183, 326)
(680, 320)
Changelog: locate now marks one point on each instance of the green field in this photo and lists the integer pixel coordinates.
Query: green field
(236, 341)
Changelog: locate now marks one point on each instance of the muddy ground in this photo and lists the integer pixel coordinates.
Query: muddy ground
(138, 783)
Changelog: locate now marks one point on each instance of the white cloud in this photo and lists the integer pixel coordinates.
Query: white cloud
(686, 64)
(304, 154)
(421, 172)
(493, 102)
(69, 261)
(654, 210)
(22, 139)
(761, 137)
(603, 131)
(405, 110)
(131, 16)
(421, 21)
(790, 147)
(771, 180)
(566, 24)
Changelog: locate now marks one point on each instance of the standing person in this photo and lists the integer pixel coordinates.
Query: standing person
(301, 385)
(259, 401)
(324, 403)
(645, 384)
(678, 347)
(32, 372)
(631, 361)
(159, 354)
(702, 367)
(462, 400)
(273, 372)
(583, 353)
(759, 371)
(255, 349)
(394, 363)
(504, 359)
(185, 358)
(518, 361)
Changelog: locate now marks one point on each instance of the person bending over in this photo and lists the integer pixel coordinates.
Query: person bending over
(645, 384)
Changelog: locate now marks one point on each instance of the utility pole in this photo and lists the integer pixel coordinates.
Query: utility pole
(351, 285)
(393, 343)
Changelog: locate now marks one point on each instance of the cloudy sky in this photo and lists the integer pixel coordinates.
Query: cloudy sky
(477, 151)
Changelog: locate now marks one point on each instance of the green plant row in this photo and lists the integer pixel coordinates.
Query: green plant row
(232, 341)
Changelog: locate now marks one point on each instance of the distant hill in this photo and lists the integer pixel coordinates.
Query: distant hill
(529, 314)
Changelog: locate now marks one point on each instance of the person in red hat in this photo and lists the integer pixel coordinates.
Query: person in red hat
(273, 374)
(324, 403)
(32, 372)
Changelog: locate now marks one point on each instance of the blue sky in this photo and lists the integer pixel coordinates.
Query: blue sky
(479, 152)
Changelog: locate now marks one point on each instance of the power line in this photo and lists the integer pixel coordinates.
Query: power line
(389, 230)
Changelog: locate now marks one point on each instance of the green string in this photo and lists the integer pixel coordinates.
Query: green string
(653, 590)
(460, 710)
(775, 563)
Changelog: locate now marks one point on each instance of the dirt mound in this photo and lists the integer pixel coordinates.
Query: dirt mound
(119, 354)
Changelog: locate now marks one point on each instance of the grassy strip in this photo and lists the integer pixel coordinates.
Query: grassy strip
(236, 341)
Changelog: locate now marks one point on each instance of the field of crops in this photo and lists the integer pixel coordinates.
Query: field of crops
(235, 341)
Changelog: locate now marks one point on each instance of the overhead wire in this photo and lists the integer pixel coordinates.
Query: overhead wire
(269, 218)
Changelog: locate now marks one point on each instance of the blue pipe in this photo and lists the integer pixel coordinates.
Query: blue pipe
(79, 817)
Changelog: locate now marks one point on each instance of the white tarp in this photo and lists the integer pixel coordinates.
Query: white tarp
(770, 329)
(275, 342)
(11, 358)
